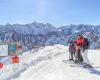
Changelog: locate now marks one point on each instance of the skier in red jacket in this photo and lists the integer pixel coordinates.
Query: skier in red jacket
(79, 42)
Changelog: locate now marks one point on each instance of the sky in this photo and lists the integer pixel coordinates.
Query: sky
(55, 12)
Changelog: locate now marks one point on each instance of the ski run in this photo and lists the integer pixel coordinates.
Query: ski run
(47, 63)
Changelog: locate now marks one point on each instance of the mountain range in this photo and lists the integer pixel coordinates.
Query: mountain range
(38, 34)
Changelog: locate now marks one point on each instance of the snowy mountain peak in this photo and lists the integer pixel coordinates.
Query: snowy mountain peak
(35, 34)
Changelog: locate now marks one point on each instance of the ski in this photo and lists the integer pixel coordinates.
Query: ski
(79, 65)
(74, 64)
(68, 61)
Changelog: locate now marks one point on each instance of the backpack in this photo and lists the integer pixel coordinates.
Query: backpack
(86, 43)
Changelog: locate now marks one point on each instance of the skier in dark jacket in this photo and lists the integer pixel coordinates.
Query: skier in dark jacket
(84, 52)
(86, 45)
(72, 50)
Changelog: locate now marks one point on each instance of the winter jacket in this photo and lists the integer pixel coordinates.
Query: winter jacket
(86, 45)
(79, 43)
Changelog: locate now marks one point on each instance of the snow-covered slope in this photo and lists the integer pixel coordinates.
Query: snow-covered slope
(47, 64)
(28, 59)
(32, 28)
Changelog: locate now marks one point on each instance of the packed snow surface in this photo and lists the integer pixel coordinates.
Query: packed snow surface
(47, 64)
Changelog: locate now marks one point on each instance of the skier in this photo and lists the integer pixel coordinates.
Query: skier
(72, 50)
(79, 42)
(84, 53)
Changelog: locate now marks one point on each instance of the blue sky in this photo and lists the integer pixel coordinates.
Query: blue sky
(56, 12)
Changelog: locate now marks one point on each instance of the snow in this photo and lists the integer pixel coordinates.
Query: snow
(47, 64)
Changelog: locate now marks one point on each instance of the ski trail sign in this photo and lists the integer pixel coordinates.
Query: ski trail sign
(3, 50)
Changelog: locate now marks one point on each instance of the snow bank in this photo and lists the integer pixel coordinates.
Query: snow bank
(29, 59)
(55, 69)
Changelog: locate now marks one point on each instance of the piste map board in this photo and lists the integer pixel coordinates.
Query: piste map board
(4, 50)
(10, 49)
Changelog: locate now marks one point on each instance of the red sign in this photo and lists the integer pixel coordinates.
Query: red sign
(15, 59)
(1, 65)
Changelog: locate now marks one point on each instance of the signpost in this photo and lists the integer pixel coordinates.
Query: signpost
(4, 50)
(11, 49)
